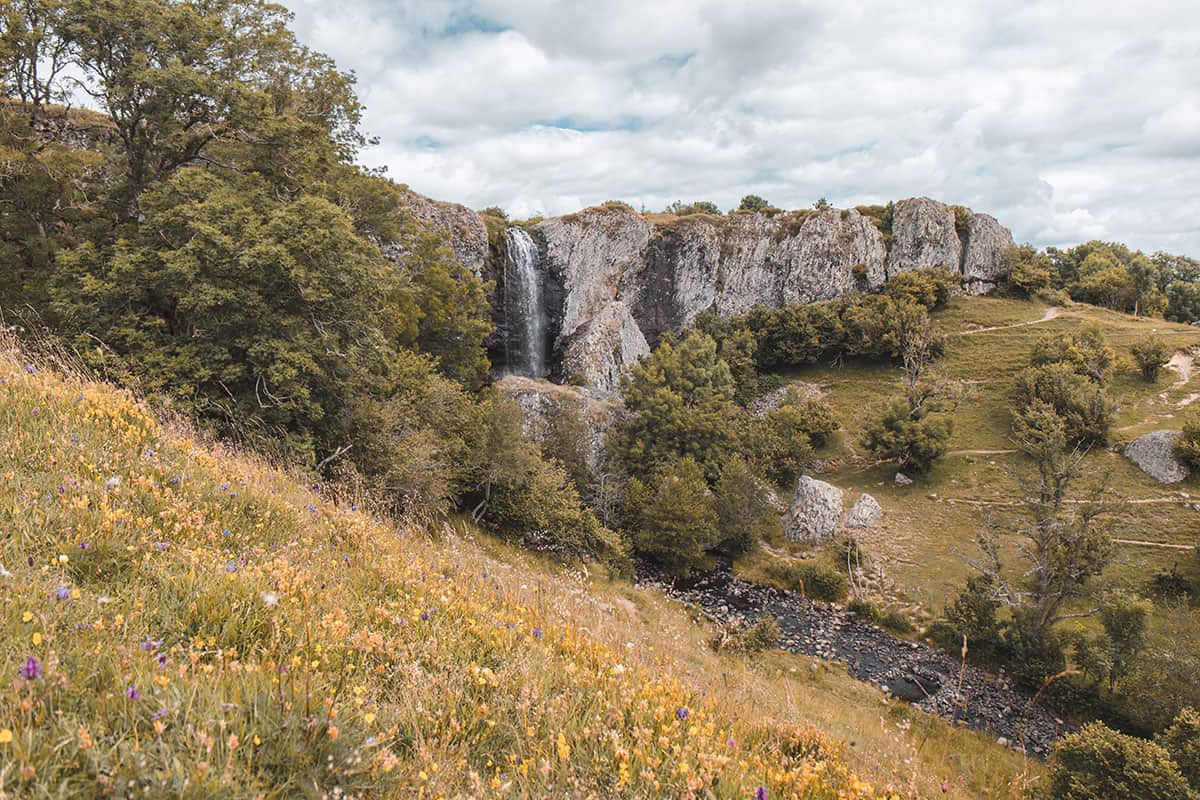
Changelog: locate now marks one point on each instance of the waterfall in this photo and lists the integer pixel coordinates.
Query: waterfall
(526, 281)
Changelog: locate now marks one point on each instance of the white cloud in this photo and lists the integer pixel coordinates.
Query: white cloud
(1067, 121)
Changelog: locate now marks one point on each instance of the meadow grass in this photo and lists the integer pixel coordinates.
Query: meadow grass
(181, 619)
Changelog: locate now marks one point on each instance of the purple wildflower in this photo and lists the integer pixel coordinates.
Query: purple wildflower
(132, 693)
(63, 592)
(31, 670)
(82, 545)
(31, 369)
(231, 566)
(149, 645)
(424, 616)
(760, 793)
(162, 659)
(157, 715)
(537, 633)
(682, 713)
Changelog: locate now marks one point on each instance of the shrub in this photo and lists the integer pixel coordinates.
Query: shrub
(911, 437)
(928, 288)
(1087, 414)
(896, 622)
(1033, 654)
(1182, 741)
(972, 614)
(745, 513)
(1151, 355)
(1098, 763)
(1170, 585)
(780, 444)
(863, 609)
(737, 637)
(808, 578)
(681, 209)
(1086, 351)
(1187, 446)
(752, 202)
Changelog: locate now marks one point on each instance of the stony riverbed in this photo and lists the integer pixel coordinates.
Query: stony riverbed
(927, 677)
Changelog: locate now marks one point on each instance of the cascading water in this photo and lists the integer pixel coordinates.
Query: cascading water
(524, 286)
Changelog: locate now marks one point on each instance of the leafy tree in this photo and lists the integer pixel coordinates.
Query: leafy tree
(972, 615)
(680, 403)
(1034, 652)
(1183, 302)
(745, 513)
(34, 53)
(1111, 656)
(1151, 355)
(753, 202)
(1026, 271)
(780, 444)
(1098, 763)
(822, 205)
(927, 288)
(673, 518)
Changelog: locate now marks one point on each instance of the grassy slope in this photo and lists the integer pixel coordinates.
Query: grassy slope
(206, 626)
(928, 524)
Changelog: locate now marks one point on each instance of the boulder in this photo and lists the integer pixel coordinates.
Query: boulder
(983, 262)
(816, 511)
(1154, 454)
(864, 513)
(902, 480)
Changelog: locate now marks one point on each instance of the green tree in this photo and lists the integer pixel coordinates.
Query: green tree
(1098, 763)
(1183, 302)
(1111, 656)
(680, 403)
(753, 202)
(1151, 355)
(972, 616)
(1086, 351)
(1187, 446)
(745, 513)
(739, 350)
(1085, 410)
(674, 519)
(1026, 271)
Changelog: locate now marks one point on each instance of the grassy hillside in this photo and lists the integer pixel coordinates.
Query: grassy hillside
(182, 620)
(926, 526)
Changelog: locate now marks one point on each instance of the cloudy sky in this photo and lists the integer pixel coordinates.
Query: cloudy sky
(1066, 120)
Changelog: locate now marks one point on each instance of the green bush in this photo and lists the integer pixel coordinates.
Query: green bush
(1182, 741)
(1026, 271)
(752, 202)
(895, 621)
(1033, 654)
(1098, 763)
(973, 615)
(808, 578)
(1187, 446)
(745, 513)
(911, 437)
(863, 609)
(1151, 355)
(928, 288)
(1086, 412)
(736, 637)
(1086, 351)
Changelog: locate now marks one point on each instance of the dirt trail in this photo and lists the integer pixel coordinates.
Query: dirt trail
(1051, 313)
(1167, 545)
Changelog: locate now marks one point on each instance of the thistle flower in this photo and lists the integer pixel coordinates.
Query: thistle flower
(31, 670)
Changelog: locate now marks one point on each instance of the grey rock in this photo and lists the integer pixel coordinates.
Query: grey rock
(462, 228)
(923, 236)
(542, 402)
(864, 513)
(983, 262)
(816, 511)
(902, 480)
(1154, 454)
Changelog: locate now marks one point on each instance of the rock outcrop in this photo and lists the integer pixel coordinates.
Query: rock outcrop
(543, 402)
(983, 261)
(615, 281)
(816, 511)
(864, 513)
(1154, 454)
(463, 228)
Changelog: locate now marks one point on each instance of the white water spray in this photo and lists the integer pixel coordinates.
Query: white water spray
(525, 286)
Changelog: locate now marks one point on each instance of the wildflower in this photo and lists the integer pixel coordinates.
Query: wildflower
(157, 715)
(424, 616)
(269, 599)
(31, 369)
(82, 545)
(231, 567)
(63, 592)
(6, 736)
(760, 793)
(161, 545)
(132, 693)
(113, 483)
(537, 632)
(162, 659)
(682, 713)
(4, 573)
(63, 558)
(31, 670)
(150, 645)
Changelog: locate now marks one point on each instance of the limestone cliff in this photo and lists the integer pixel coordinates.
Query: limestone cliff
(462, 227)
(615, 280)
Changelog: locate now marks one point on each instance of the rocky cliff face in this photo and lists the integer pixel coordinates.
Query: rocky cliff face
(461, 226)
(615, 281)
